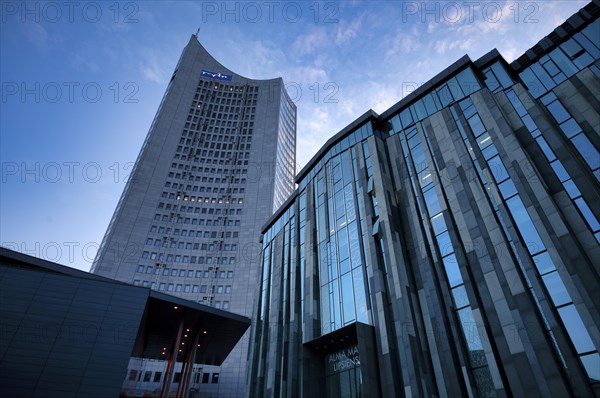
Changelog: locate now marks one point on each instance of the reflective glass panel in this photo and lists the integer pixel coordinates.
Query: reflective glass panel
(576, 329)
(591, 363)
(543, 263)
(452, 270)
(556, 288)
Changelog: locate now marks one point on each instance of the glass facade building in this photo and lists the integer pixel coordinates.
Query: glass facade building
(449, 246)
(218, 159)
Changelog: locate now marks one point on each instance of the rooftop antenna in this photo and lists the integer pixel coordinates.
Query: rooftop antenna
(197, 33)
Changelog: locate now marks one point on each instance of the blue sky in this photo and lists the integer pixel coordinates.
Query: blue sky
(81, 82)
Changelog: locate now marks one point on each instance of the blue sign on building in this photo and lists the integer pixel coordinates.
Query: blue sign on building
(217, 76)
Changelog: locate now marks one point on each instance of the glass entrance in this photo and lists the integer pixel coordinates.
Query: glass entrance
(343, 374)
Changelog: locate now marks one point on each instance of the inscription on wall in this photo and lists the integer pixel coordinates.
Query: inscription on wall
(348, 358)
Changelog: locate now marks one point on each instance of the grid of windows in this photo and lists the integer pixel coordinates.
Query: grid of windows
(203, 191)
(570, 57)
(546, 267)
(556, 164)
(422, 180)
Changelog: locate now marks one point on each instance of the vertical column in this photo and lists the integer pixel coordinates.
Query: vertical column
(171, 364)
(186, 373)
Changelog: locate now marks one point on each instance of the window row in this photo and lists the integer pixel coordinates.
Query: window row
(199, 210)
(188, 259)
(218, 190)
(183, 196)
(193, 233)
(174, 218)
(171, 243)
(156, 377)
(186, 273)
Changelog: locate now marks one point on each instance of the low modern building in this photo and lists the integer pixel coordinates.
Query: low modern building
(449, 246)
(68, 333)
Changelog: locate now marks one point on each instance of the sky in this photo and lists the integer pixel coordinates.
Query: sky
(81, 82)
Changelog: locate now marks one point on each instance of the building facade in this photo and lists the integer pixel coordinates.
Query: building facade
(449, 246)
(219, 158)
(68, 333)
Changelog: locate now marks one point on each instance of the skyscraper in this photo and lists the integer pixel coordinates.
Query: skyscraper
(218, 159)
(449, 246)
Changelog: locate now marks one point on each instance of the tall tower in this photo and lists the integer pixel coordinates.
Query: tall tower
(218, 159)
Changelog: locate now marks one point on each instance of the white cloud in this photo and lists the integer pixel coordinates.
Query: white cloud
(311, 42)
(35, 33)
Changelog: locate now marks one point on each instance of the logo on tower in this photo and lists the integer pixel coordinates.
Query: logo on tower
(216, 76)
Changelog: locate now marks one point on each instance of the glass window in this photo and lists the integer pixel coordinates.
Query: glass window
(497, 169)
(501, 74)
(556, 288)
(545, 148)
(354, 240)
(419, 109)
(529, 123)
(445, 95)
(430, 104)
(431, 200)
(576, 329)
(571, 189)
(489, 152)
(360, 298)
(343, 244)
(530, 235)
(476, 125)
(560, 171)
(444, 244)
(570, 128)
(460, 296)
(571, 47)
(414, 141)
(558, 111)
(491, 81)
(563, 62)
(535, 87)
(468, 81)
(507, 189)
(543, 263)
(406, 118)
(452, 270)
(587, 214)
(438, 224)
(591, 363)
(543, 76)
(484, 140)
(348, 298)
(587, 150)
(455, 89)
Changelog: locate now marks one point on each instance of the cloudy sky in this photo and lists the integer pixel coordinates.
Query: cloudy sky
(81, 82)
